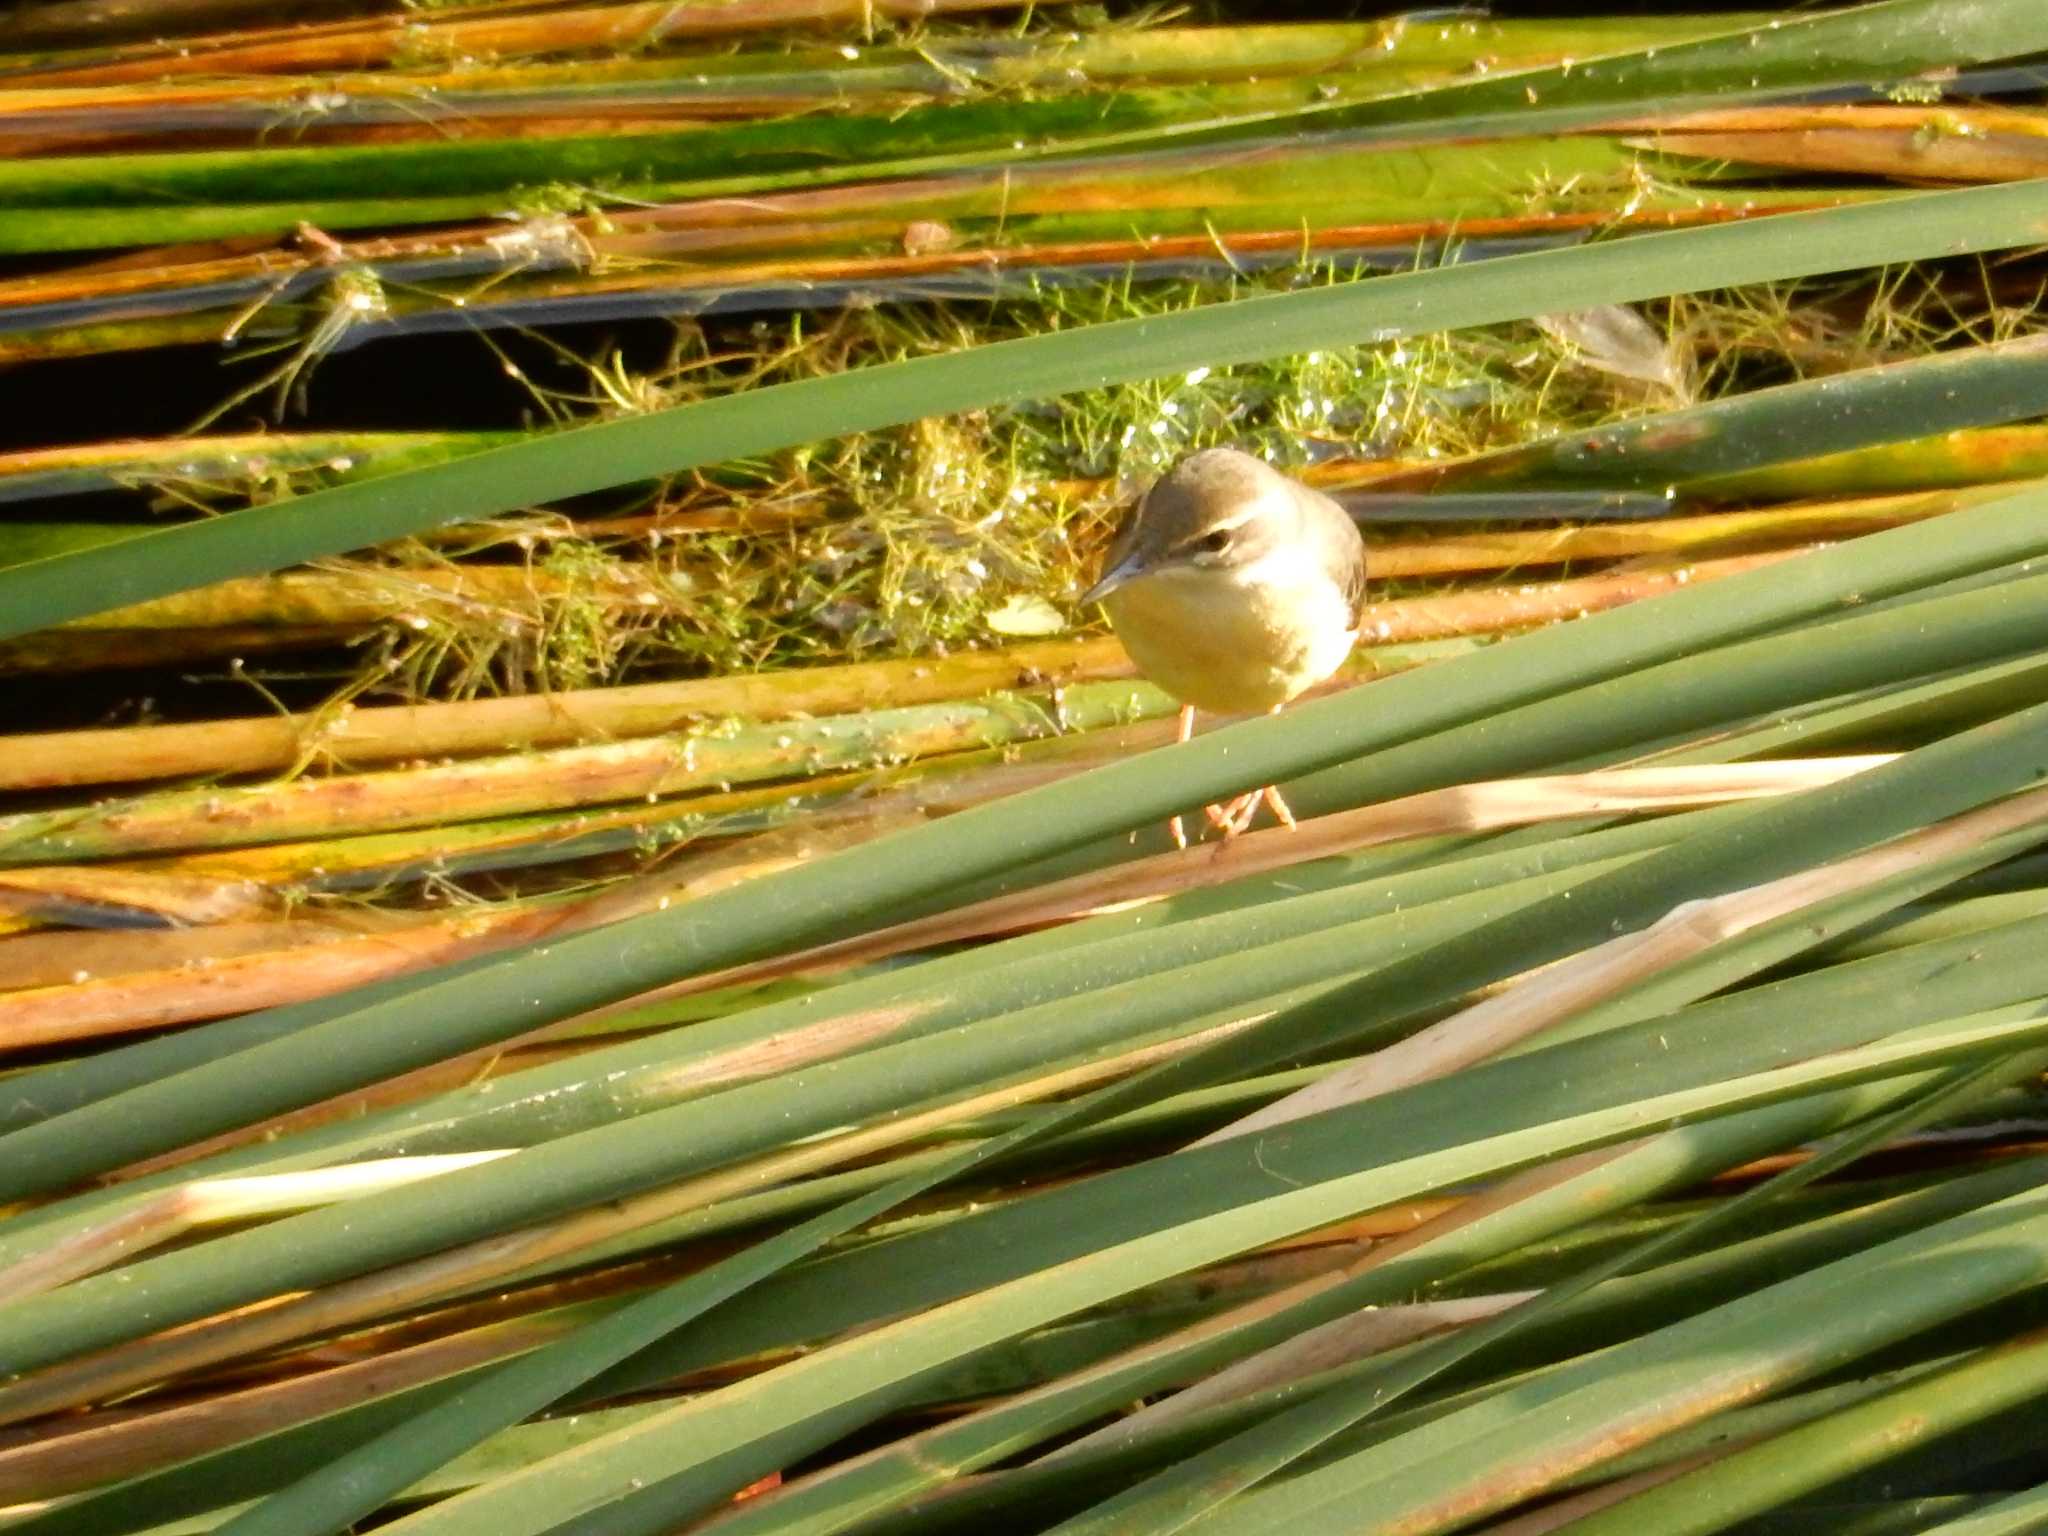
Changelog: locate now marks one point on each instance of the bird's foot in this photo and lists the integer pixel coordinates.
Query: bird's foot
(1236, 816)
(1278, 806)
(1224, 817)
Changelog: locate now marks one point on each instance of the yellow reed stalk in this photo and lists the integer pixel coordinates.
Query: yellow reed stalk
(346, 736)
(353, 737)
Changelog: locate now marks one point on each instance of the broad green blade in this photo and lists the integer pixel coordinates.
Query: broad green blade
(1931, 225)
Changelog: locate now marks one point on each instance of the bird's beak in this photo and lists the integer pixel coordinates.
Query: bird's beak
(1124, 570)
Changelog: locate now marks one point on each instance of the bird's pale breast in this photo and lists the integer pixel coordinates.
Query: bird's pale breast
(1235, 641)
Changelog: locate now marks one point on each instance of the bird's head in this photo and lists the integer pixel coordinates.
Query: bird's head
(1216, 511)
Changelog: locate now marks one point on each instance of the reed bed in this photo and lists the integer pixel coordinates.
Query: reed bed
(588, 941)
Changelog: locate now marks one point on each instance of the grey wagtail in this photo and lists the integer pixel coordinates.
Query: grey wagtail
(1234, 589)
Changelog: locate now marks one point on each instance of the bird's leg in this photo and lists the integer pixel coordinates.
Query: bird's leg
(1224, 817)
(1245, 808)
(1220, 816)
(1187, 731)
(1239, 813)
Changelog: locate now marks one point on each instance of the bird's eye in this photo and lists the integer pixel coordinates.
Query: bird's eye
(1215, 543)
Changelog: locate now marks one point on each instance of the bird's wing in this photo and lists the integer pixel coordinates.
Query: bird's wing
(1344, 547)
(1354, 588)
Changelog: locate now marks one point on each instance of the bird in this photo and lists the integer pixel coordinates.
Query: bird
(1235, 589)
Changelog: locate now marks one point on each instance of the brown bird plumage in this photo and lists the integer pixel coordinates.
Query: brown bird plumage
(1235, 589)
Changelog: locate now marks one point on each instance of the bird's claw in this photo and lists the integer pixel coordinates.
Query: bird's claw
(1235, 817)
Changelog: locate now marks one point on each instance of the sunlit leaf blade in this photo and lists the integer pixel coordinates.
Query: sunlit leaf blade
(48, 592)
(1616, 1101)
